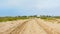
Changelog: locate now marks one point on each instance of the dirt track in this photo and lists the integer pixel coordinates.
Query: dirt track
(31, 26)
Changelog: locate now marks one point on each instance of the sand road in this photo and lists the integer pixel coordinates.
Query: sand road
(32, 26)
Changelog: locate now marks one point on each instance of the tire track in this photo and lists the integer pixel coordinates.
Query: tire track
(46, 27)
(32, 27)
(19, 28)
(11, 30)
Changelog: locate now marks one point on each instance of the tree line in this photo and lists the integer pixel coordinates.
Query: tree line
(10, 18)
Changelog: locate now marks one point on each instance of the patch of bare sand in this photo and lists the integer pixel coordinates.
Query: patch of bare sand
(52, 28)
(6, 26)
(32, 27)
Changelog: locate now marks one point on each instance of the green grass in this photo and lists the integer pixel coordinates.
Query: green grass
(4, 19)
(51, 18)
(10, 18)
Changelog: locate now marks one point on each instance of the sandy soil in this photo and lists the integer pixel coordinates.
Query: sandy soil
(30, 26)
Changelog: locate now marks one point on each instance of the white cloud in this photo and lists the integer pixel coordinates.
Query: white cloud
(8, 4)
(12, 3)
(42, 6)
(39, 4)
(48, 4)
(30, 4)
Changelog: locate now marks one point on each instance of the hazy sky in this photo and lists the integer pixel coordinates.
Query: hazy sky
(29, 7)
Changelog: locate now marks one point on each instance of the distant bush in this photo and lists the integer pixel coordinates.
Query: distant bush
(10, 18)
(7, 18)
(56, 17)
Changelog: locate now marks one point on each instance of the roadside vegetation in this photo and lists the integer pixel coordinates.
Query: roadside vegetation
(53, 19)
(50, 17)
(10, 18)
